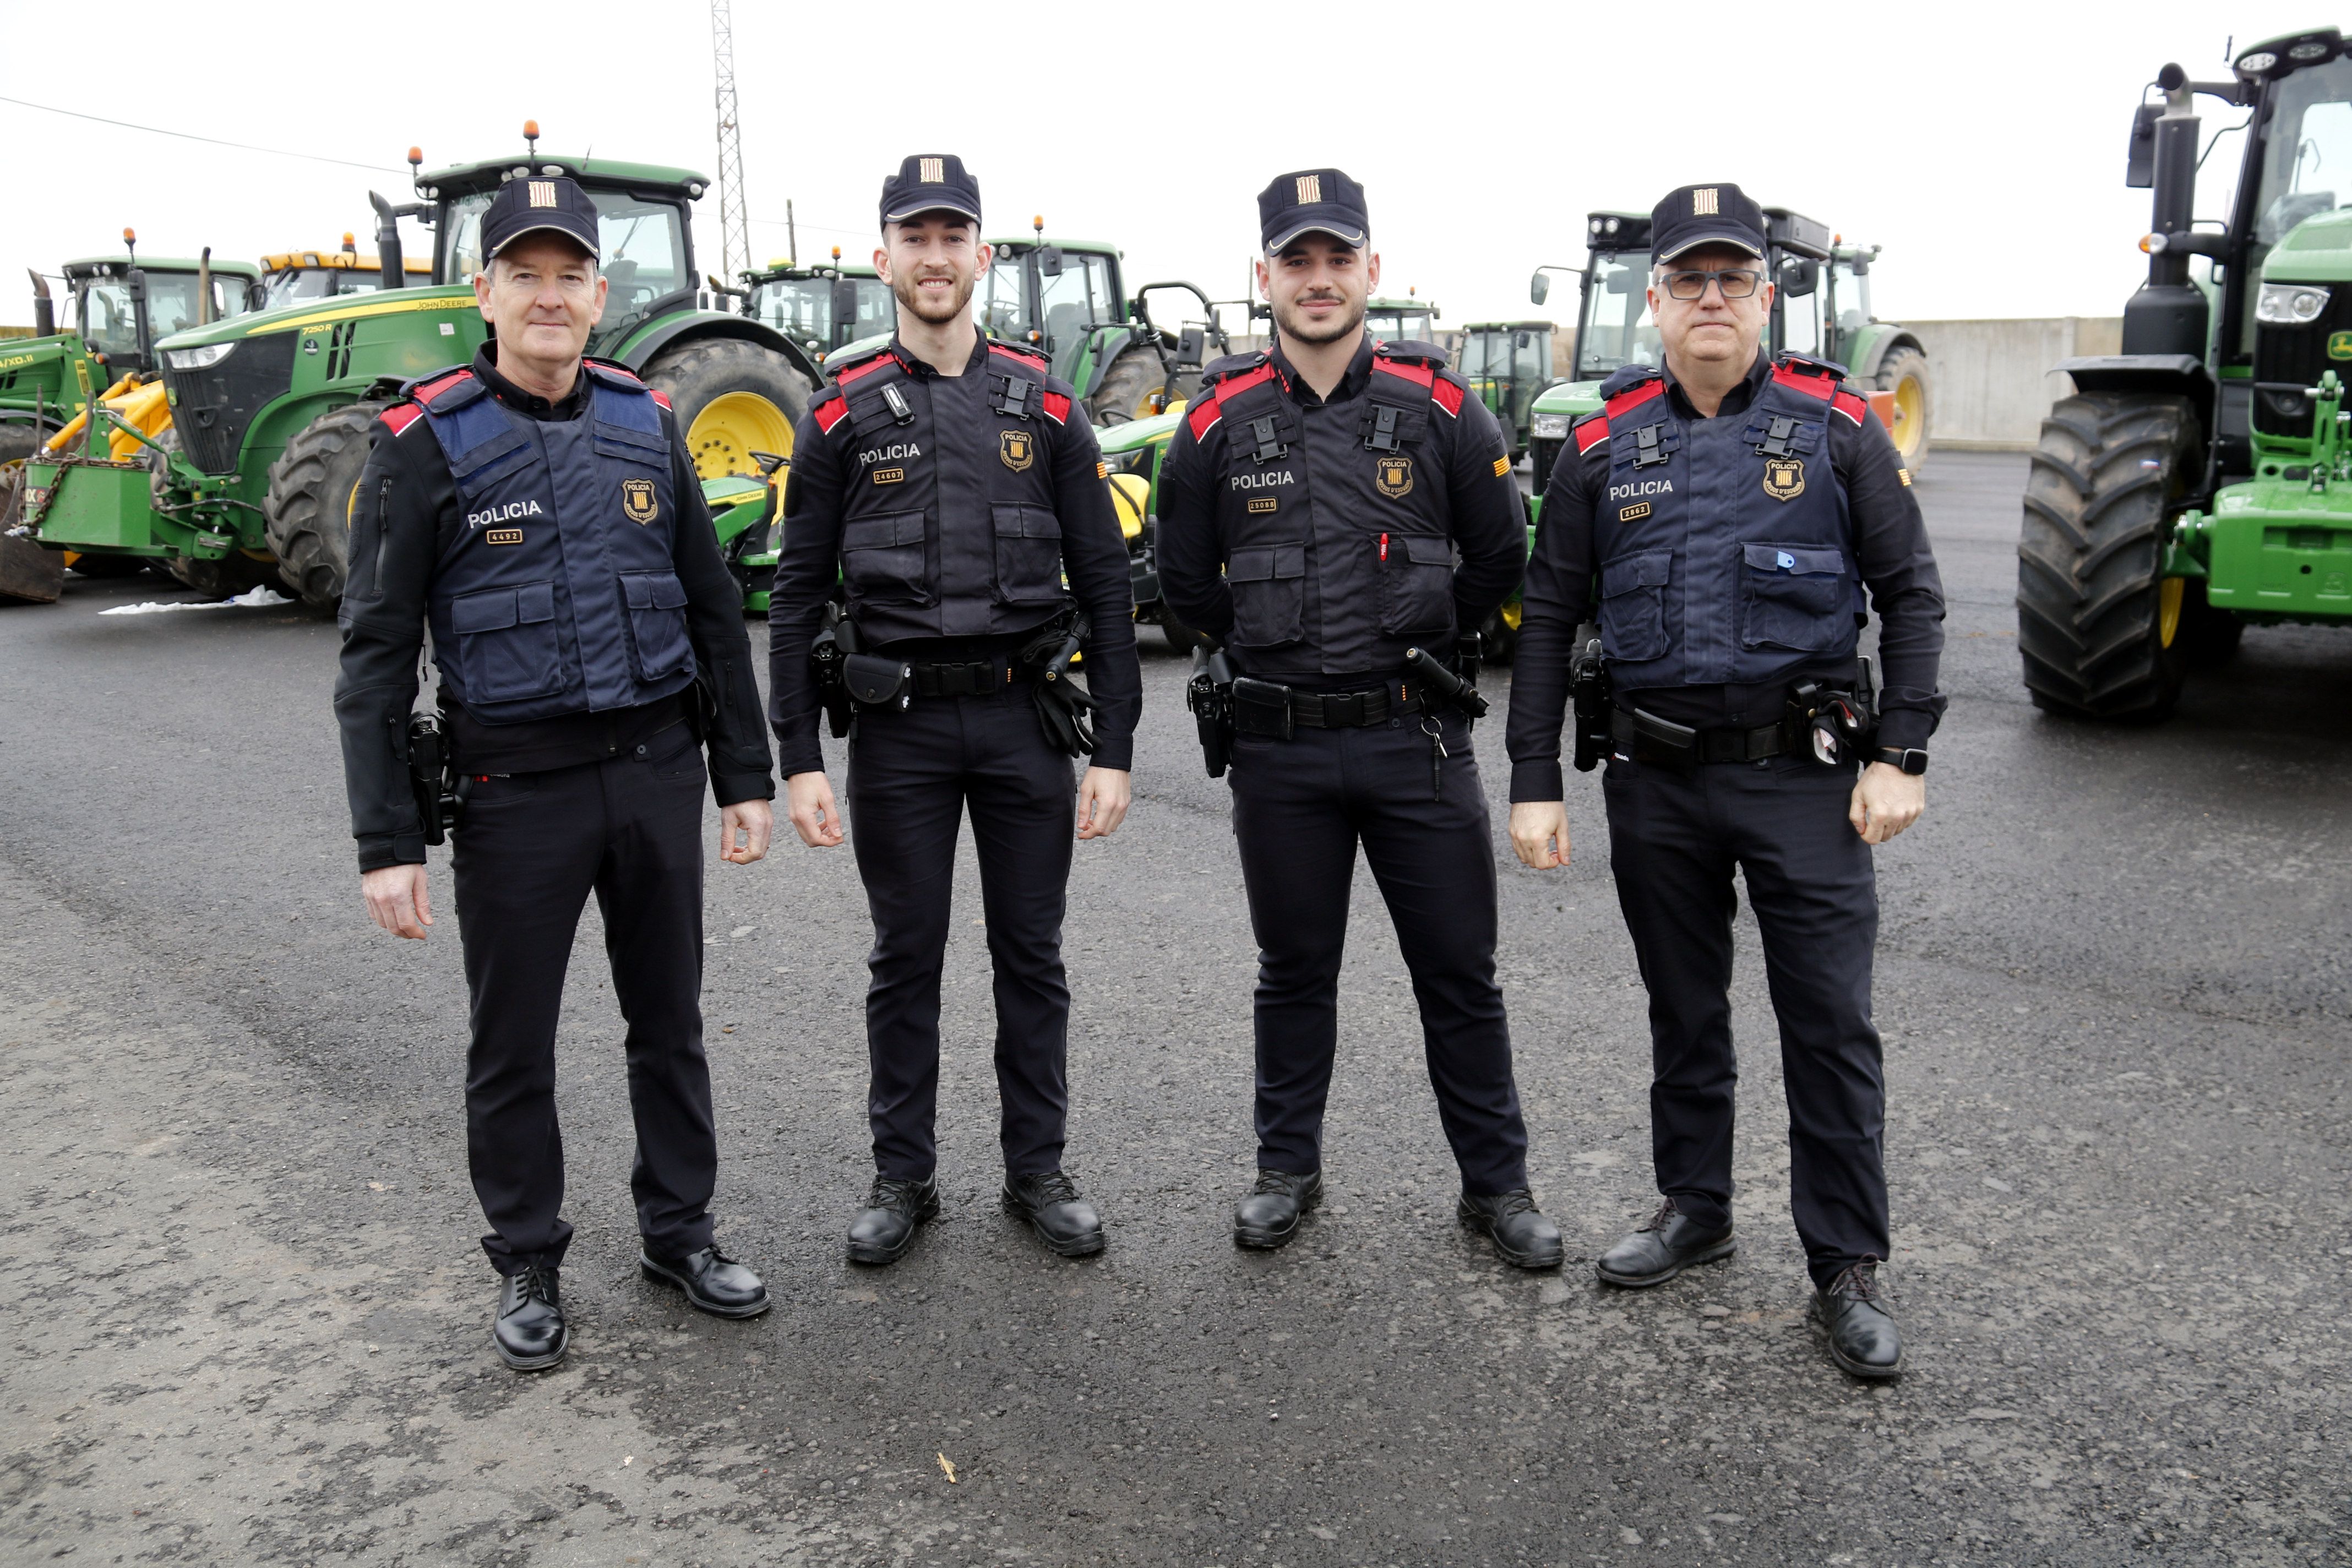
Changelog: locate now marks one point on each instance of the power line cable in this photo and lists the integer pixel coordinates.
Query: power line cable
(190, 136)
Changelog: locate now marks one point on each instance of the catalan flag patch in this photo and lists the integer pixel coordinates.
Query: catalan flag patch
(1905, 474)
(1102, 470)
(1502, 466)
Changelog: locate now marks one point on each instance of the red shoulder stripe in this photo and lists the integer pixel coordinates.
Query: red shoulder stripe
(1420, 373)
(1202, 416)
(401, 417)
(660, 396)
(831, 412)
(1852, 406)
(1807, 382)
(863, 367)
(434, 388)
(1633, 397)
(1591, 433)
(1447, 396)
(1058, 407)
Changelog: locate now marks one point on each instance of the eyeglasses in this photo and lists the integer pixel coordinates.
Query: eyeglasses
(1736, 283)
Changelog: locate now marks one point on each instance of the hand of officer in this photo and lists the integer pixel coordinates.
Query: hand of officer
(808, 799)
(396, 899)
(1886, 800)
(1103, 796)
(1537, 827)
(754, 821)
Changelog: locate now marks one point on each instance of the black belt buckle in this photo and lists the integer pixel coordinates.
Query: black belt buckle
(1347, 710)
(1261, 708)
(1663, 742)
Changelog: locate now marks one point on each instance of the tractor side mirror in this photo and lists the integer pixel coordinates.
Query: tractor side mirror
(2139, 157)
(256, 295)
(1539, 288)
(1799, 275)
(136, 283)
(1049, 261)
(1191, 348)
(1521, 341)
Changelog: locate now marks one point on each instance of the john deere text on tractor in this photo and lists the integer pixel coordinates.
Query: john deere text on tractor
(2200, 481)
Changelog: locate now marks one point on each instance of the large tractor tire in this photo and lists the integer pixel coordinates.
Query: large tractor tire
(732, 399)
(1904, 373)
(1128, 389)
(314, 490)
(2097, 625)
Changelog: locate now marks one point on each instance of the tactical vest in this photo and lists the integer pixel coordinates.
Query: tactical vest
(1342, 574)
(949, 528)
(559, 594)
(1725, 552)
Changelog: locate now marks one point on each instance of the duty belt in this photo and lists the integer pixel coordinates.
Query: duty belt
(1646, 738)
(1263, 707)
(977, 678)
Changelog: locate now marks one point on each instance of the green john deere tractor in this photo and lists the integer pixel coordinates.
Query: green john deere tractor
(121, 305)
(2200, 481)
(293, 277)
(820, 308)
(1508, 365)
(1408, 319)
(256, 480)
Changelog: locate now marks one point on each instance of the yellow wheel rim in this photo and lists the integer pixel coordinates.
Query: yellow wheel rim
(730, 427)
(1511, 615)
(2167, 608)
(1910, 416)
(351, 504)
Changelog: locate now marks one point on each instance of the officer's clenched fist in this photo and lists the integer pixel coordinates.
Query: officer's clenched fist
(808, 801)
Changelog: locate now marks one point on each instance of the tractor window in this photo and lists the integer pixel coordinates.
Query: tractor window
(2308, 165)
(645, 255)
(1615, 328)
(1470, 358)
(1004, 307)
(1530, 356)
(1850, 295)
(299, 283)
(1080, 297)
(800, 308)
(878, 309)
(1800, 324)
(108, 324)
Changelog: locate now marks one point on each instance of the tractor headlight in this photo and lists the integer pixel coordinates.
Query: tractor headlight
(2290, 304)
(198, 359)
(1547, 428)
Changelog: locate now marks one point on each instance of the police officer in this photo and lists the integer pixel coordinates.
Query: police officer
(947, 484)
(1726, 512)
(1311, 508)
(539, 512)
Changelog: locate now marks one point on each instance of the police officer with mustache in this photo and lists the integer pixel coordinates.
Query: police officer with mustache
(948, 484)
(540, 513)
(1312, 506)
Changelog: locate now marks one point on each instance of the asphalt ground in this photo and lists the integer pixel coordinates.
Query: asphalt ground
(247, 1317)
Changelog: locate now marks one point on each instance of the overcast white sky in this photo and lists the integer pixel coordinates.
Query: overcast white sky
(1982, 145)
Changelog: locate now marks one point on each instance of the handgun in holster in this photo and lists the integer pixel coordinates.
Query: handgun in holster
(1209, 694)
(1588, 685)
(829, 654)
(433, 778)
(1838, 722)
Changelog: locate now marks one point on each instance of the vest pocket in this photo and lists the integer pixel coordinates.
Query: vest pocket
(1028, 553)
(882, 557)
(1417, 583)
(657, 602)
(1633, 605)
(506, 642)
(1268, 583)
(1793, 596)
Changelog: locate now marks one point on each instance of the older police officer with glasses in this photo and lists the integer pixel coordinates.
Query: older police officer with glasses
(1726, 514)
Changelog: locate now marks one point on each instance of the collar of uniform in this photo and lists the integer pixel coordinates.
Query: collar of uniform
(1736, 401)
(1359, 371)
(917, 367)
(529, 403)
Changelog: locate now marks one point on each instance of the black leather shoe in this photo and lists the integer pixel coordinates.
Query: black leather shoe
(1864, 1339)
(1269, 1215)
(713, 1282)
(1063, 1220)
(530, 1331)
(1662, 1248)
(885, 1229)
(1522, 1236)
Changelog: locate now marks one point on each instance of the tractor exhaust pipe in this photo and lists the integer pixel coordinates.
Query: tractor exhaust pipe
(205, 287)
(45, 310)
(2169, 315)
(387, 243)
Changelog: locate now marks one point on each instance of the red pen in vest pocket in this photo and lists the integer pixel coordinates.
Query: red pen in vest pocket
(1384, 547)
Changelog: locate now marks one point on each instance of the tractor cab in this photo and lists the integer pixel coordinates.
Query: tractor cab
(123, 304)
(1507, 364)
(1057, 295)
(292, 277)
(821, 308)
(1401, 321)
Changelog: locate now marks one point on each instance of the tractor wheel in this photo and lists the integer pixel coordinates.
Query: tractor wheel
(313, 487)
(731, 398)
(1128, 389)
(2098, 627)
(2209, 638)
(1905, 374)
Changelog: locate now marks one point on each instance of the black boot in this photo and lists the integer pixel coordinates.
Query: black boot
(1269, 1215)
(1662, 1248)
(885, 1229)
(1062, 1219)
(713, 1282)
(1522, 1236)
(529, 1330)
(1855, 1308)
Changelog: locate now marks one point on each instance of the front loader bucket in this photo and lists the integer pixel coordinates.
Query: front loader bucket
(28, 572)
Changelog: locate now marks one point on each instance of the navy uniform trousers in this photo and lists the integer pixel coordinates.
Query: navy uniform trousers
(533, 847)
(912, 774)
(1674, 836)
(1300, 808)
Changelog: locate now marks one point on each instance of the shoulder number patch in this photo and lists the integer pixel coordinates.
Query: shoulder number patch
(888, 475)
(1784, 477)
(1392, 477)
(1639, 509)
(1262, 503)
(637, 502)
(503, 536)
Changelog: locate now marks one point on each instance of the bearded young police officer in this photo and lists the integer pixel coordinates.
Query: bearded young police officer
(540, 512)
(947, 484)
(1731, 509)
(1310, 512)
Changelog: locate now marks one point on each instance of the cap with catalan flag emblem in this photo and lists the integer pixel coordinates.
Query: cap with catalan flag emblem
(1312, 200)
(533, 204)
(1705, 215)
(930, 182)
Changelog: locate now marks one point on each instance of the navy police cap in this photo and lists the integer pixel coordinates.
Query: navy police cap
(1312, 200)
(527, 206)
(930, 182)
(1705, 215)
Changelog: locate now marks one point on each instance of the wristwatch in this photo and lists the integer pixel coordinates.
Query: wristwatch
(1912, 759)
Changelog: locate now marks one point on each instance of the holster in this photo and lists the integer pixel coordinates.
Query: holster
(433, 780)
(871, 680)
(1588, 684)
(836, 641)
(1209, 694)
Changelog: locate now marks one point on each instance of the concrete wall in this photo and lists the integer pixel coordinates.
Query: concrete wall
(1990, 382)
